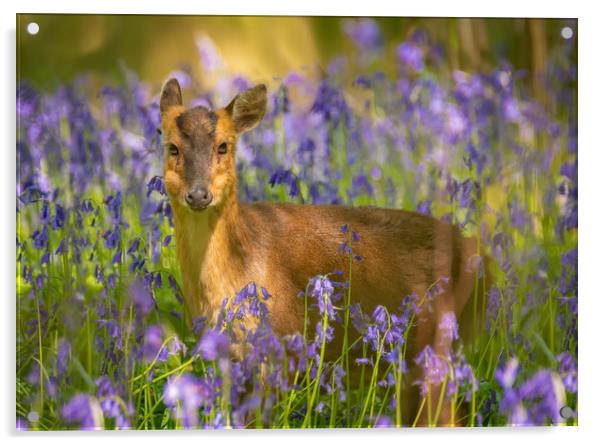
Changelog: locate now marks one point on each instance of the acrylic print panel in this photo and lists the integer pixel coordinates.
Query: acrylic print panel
(295, 222)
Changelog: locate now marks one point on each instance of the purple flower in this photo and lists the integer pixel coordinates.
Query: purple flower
(114, 204)
(158, 280)
(382, 422)
(544, 396)
(510, 109)
(185, 394)
(59, 217)
(518, 217)
(214, 345)
(324, 334)
(372, 337)
(107, 396)
(568, 371)
(182, 77)
(365, 33)
(462, 378)
(175, 288)
(176, 347)
(21, 424)
(434, 369)
(449, 327)
(330, 103)
(362, 361)
(61, 248)
(153, 340)
(83, 411)
(141, 297)
(111, 326)
(40, 238)
(45, 213)
(287, 177)
(424, 207)
(28, 100)
(156, 184)
(507, 375)
(322, 291)
(536, 401)
(198, 325)
(211, 60)
(411, 55)
(62, 357)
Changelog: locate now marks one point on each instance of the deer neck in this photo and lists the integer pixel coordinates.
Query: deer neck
(208, 246)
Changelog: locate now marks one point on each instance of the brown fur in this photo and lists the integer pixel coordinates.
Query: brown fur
(281, 246)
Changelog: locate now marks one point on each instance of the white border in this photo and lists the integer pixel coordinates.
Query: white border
(428, 8)
(590, 102)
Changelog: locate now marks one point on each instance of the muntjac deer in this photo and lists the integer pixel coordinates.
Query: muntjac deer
(223, 244)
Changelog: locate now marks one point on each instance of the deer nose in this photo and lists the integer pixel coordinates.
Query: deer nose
(198, 198)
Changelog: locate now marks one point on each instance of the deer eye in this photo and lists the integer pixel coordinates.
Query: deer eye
(173, 150)
(223, 148)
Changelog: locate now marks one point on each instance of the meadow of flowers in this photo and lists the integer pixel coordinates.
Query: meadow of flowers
(102, 336)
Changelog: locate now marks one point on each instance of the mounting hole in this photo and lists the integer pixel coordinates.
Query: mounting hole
(33, 28)
(566, 32)
(566, 412)
(33, 416)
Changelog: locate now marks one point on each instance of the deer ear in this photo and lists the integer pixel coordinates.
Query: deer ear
(171, 95)
(247, 109)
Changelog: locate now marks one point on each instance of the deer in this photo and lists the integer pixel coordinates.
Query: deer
(223, 244)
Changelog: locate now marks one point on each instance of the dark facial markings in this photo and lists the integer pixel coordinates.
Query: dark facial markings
(197, 127)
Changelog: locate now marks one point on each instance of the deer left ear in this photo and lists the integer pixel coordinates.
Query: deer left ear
(171, 95)
(248, 108)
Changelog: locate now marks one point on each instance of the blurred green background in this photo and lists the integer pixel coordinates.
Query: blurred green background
(260, 47)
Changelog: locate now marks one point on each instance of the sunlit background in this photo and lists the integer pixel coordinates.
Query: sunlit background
(262, 48)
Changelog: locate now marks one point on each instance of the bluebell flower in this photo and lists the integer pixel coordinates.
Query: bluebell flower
(322, 291)
(156, 184)
(365, 33)
(383, 422)
(107, 395)
(507, 375)
(213, 345)
(362, 81)
(211, 60)
(545, 393)
(134, 246)
(21, 424)
(45, 213)
(60, 250)
(40, 238)
(114, 204)
(185, 394)
(176, 347)
(141, 298)
(63, 357)
(152, 347)
(83, 411)
(411, 56)
(59, 217)
(568, 371)
(198, 325)
(448, 326)
(434, 369)
(28, 100)
(331, 104)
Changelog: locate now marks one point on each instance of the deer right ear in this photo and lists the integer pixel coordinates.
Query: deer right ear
(171, 95)
(247, 109)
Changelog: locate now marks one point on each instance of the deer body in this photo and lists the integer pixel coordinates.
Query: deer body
(222, 245)
(282, 246)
